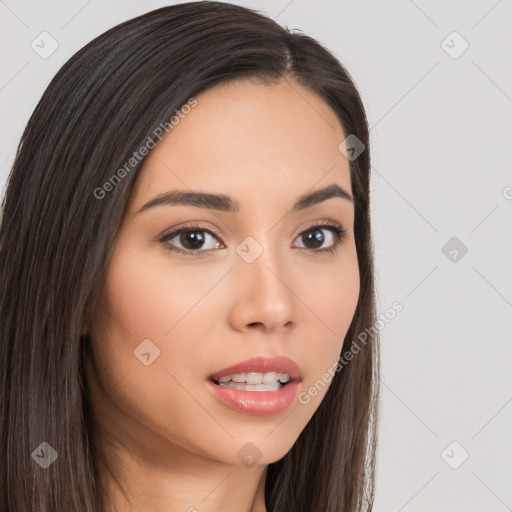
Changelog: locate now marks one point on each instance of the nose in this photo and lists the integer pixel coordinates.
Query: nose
(263, 296)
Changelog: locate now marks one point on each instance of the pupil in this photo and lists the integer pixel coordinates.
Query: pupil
(192, 240)
(316, 237)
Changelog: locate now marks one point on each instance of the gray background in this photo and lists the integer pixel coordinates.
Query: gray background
(441, 149)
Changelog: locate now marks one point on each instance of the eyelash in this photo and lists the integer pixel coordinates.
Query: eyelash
(339, 232)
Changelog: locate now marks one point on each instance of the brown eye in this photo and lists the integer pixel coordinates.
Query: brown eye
(191, 240)
(314, 238)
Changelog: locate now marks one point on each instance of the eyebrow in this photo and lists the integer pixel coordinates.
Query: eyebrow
(227, 204)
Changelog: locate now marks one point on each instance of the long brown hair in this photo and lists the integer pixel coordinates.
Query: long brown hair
(56, 237)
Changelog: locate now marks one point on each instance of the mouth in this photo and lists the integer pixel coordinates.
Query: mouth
(259, 386)
(258, 374)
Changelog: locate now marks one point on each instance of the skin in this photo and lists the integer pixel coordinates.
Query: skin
(169, 440)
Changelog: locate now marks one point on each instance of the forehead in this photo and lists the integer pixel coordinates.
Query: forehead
(245, 138)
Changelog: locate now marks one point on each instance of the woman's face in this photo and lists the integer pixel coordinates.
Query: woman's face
(167, 319)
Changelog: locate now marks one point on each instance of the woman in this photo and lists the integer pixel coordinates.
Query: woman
(185, 260)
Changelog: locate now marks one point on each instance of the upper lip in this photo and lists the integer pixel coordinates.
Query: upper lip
(262, 364)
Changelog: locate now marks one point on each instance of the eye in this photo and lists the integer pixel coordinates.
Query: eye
(314, 236)
(191, 238)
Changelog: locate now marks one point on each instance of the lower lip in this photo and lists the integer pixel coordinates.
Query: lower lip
(258, 403)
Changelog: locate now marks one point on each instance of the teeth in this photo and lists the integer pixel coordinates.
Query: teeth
(267, 378)
(255, 378)
(252, 387)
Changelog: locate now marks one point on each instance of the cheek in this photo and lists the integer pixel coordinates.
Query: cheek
(334, 298)
(332, 303)
(148, 295)
(143, 351)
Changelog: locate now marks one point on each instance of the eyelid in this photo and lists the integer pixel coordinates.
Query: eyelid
(198, 225)
(322, 223)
